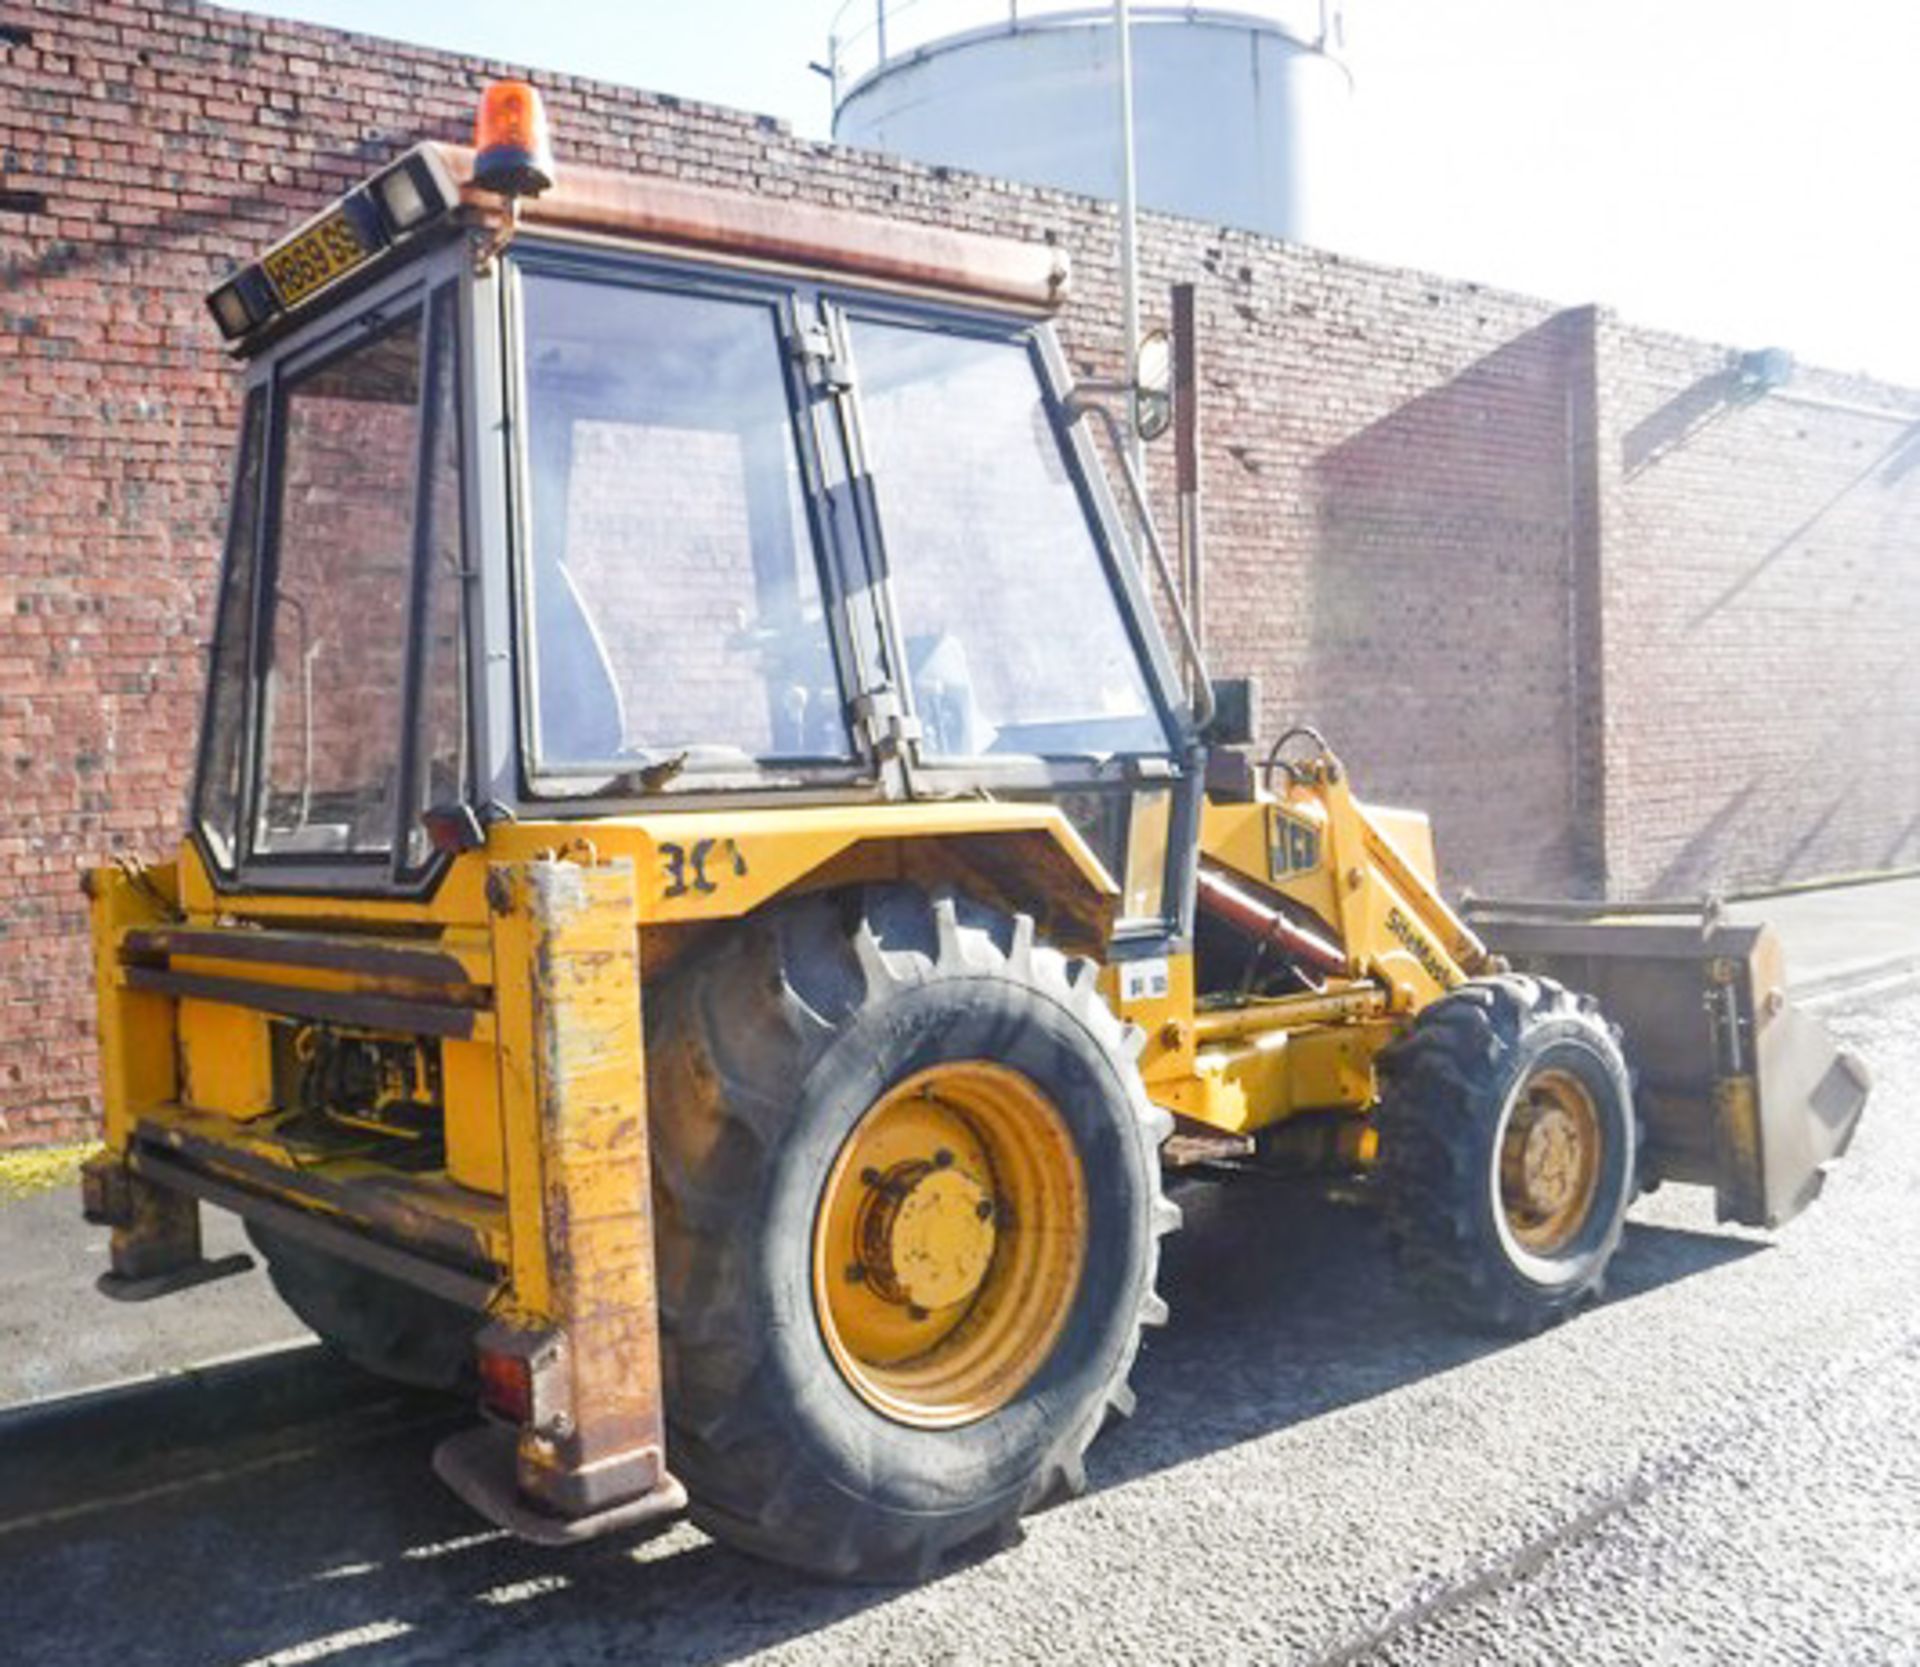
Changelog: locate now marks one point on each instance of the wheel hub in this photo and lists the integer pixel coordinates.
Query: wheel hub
(948, 1243)
(1550, 1162)
(926, 1234)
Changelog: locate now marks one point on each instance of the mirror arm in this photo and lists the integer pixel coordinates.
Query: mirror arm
(1079, 405)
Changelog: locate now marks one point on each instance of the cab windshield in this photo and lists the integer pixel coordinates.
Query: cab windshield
(677, 575)
(674, 572)
(1014, 640)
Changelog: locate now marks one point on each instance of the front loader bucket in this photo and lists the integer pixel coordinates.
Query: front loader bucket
(1737, 1089)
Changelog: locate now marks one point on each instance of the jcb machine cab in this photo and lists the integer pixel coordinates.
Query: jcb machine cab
(704, 901)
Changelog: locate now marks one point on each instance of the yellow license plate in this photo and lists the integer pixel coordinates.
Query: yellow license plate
(315, 258)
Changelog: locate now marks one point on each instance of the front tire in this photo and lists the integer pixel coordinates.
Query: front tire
(1508, 1151)
(908, 1206)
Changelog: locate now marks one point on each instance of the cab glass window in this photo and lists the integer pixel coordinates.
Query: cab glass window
(440, 769)
(218, 809)
(335, 677)
(676, 603)
(1013, 634)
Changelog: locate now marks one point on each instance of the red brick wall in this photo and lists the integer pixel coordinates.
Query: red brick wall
(1432, 531)
(1763, 595)
(1391, 541)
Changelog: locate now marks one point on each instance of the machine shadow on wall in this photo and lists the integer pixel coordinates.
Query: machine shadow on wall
(1439, 612)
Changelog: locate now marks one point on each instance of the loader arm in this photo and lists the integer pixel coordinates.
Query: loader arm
(1363, 874)
(1306, 877)
(1736, 1089)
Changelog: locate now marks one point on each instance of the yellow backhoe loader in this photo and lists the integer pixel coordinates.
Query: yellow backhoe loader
(710, 904)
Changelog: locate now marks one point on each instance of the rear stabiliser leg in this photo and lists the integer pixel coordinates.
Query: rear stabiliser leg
(156, 1234)
(570, 1366)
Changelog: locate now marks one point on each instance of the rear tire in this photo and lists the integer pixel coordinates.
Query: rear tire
(381, 1325)
(1508, 1151)
(800, 1438)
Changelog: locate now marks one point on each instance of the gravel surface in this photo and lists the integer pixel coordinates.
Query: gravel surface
(1721, 1463)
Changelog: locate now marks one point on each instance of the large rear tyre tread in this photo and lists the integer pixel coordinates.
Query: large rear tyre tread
(769, 1046)
(1445, 1086)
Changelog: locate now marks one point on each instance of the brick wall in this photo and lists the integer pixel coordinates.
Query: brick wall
(1763, 594)
(1511, 558)
(1391, 540)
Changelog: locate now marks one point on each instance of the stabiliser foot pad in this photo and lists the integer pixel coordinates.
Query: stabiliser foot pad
(122, 1289)
(478, 1465)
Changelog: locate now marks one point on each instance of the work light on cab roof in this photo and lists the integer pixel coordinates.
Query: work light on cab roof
(344, 240)
(512, 153)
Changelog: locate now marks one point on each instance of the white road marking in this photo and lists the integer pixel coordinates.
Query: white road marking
(446, 1548)
(335, 1643)
(519, 1591)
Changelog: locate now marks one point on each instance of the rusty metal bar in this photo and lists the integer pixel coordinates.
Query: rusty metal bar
(396, 1013)
(403, 1208)
(373, 959)
(1186, 457)
(582, 1311)
(469, 1290)
(784, 233)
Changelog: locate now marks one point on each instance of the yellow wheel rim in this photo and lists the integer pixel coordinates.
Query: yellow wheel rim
(1550, 1162)
(949, 1244)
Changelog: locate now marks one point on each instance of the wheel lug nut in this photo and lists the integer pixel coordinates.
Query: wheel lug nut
(869, 1177)
(856, 1273)
(943, 1159)
(915, 1311)
(984, 1209)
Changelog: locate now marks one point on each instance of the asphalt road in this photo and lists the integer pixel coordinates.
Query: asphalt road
(1721, 1463)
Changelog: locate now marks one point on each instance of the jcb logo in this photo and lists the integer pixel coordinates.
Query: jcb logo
(1293, 845)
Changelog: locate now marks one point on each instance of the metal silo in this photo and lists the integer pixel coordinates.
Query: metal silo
(1239, 110)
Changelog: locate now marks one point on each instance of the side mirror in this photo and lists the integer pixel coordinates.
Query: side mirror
(1153, 386)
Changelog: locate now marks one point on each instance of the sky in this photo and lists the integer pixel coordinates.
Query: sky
(1742, 170)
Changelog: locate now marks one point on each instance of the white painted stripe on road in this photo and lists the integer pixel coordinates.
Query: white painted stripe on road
(446, 1548)
(335, 1643)
(519, 1591)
